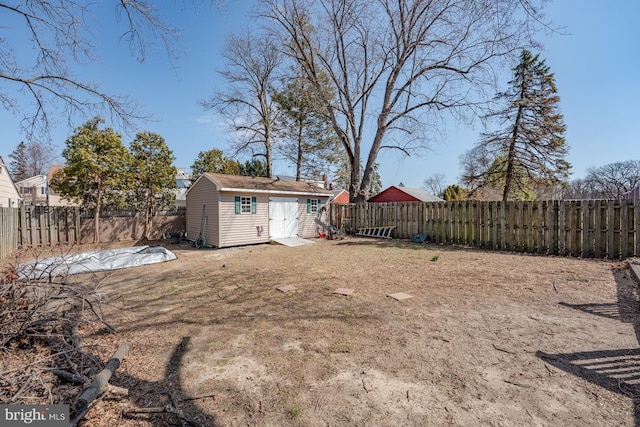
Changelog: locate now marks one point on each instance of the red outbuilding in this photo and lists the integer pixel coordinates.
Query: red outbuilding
(340, 196)
(404, 194)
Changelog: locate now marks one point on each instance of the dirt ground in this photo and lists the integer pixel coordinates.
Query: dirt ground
(488, 339)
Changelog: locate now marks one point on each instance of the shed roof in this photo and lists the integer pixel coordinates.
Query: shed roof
(253, 184)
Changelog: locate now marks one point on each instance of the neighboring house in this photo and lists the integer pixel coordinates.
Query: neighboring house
(340, 196)
(9, 195)
(404, 194)
(233, 210)
(35, 191)
(183, 183)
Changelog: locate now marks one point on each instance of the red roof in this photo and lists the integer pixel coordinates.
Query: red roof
(404, 194)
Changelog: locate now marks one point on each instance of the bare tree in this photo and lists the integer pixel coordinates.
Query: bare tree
(611, 181)
(481, 186)
(31, 159)
(247, 104)
(579, 188)
(397, 65)
(62, 36)
(435, 184)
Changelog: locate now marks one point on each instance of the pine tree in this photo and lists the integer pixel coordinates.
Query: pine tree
(18, 165)
(307, 137)
(530, 149)
(253, 167)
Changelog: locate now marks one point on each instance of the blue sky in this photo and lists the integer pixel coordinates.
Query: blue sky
(596, 67)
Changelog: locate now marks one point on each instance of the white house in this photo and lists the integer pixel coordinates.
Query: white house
(36, 191)
(9, 196)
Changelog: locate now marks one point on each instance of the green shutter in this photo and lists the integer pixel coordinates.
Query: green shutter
(308, 205)
(237, 204)
(253, 204)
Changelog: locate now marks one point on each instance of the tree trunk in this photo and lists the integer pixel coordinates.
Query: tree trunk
(101, 381)
(96, 216)
(299, 154)
(267, 147)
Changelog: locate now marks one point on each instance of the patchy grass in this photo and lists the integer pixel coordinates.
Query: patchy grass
(487, 339)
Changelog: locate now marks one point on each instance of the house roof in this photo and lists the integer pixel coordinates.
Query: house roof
(254, 184)
(417, 193)
(52, 170)
(422, 195)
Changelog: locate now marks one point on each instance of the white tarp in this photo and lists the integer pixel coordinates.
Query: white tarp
(89, 262)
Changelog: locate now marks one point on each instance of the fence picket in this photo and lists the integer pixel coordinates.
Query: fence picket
(636, 227)
(586, 228)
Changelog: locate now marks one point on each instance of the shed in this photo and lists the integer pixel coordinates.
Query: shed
(404, 194)
(233, 210)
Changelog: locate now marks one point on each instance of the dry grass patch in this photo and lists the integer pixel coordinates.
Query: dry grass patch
(488, 339)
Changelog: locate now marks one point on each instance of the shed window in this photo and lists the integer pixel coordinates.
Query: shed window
(245, 205)
(313, 205)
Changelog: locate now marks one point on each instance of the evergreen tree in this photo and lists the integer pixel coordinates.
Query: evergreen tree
(214, 161)
(530, 148)
(307, 137)
(18, 165)
(454, 192)
(254, 167)
(31, 159)
(96, 169)
(154, 176)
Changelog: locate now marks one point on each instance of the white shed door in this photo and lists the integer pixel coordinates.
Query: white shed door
(283, 217)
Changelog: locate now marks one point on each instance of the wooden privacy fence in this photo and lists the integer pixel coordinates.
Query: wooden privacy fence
(9, 231)
(580, 228)
(41, 226)
(49, 226)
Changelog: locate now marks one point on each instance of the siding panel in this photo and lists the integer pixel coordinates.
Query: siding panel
(241, 229)
(202, 208)
(309, 224)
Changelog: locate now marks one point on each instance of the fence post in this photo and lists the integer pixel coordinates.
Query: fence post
(624, 229)
(586, 228)
(636, 231)
(611, 211)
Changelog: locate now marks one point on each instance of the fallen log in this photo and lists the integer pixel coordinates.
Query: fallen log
(100, 382)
